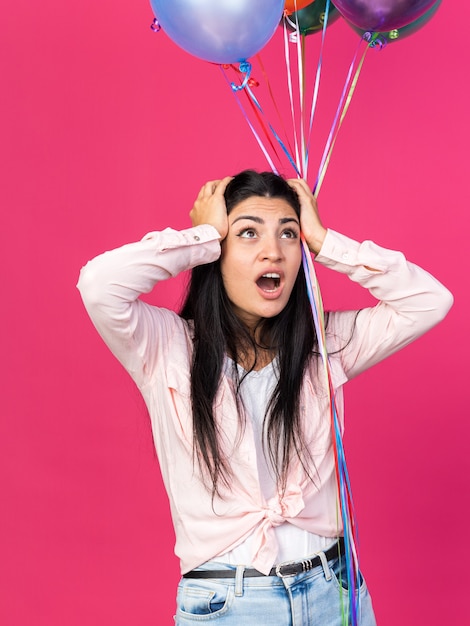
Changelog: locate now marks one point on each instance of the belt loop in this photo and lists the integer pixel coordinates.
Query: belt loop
(239, 580)
(326, 567)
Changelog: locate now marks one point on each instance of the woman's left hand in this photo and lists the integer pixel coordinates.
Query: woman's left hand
(310, 223)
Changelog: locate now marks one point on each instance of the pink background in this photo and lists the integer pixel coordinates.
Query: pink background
(108, 131)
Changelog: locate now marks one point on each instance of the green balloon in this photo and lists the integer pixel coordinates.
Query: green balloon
(396, 34)
(312, 17)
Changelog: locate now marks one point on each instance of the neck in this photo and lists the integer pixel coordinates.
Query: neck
(253, 357)
(251, 348)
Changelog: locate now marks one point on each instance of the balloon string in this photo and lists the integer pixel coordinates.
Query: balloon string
(261, 122)
(245, 68)
(342, 477)
(273, 99)
(299, 40)
(317, 82)
(345, 502)
(263, 126)
(250, 125)
(343, 106)
(305, 132)
(257, 116)
(290, 91)
(271, 128)
(301, 80)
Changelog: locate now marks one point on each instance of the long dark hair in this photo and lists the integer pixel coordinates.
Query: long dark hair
(218, 331)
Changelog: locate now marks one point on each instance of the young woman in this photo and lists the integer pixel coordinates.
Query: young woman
(236, 397)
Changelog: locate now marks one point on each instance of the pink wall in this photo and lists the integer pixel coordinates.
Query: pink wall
(108, 131)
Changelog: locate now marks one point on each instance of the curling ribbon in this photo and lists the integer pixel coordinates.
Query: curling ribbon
(245, 68)
(273, 100)
(252, 128)
(350, 615)
(155, 26)
(278, 139)
(291, 95)
(342, 477)
(341, 111)
(258, 117)
(317, 83)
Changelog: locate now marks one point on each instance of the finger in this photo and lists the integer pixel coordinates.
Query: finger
(297, 187)
(209, 188)
(304, 192)
(222, 185)
(204, 191)
(299, 184)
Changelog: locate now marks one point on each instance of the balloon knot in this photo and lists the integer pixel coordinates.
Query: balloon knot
(375, 40)
(290, 22)
(155, 26)
(245, 68)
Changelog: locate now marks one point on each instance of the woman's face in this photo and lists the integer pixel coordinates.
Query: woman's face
(261, 257)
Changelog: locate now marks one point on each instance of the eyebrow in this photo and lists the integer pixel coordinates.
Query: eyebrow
(259, 220)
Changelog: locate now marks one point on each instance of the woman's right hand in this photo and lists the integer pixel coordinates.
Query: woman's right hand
(209, 207)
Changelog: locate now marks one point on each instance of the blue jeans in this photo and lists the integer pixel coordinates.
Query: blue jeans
(312, 598)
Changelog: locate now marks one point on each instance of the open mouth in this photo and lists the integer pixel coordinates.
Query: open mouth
(269, 282)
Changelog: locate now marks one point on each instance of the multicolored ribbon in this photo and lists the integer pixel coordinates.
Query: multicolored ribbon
(300, 162)
(343, 106)
(346, 506)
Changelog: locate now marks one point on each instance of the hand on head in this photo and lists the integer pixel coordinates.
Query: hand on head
(310, 223)
(209, 207)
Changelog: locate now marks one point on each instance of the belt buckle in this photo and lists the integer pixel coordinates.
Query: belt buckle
(305, 565)
(285, 564)
(278, 570)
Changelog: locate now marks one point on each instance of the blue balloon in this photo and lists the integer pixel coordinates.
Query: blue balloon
(219, 31)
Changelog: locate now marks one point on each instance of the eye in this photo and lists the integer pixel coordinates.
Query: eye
(289, 233)
(247, 233)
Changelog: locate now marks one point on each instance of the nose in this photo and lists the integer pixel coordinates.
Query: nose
(271, 249)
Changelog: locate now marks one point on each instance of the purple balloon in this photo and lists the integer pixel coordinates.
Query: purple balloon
(382, 15)
(219, 31)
